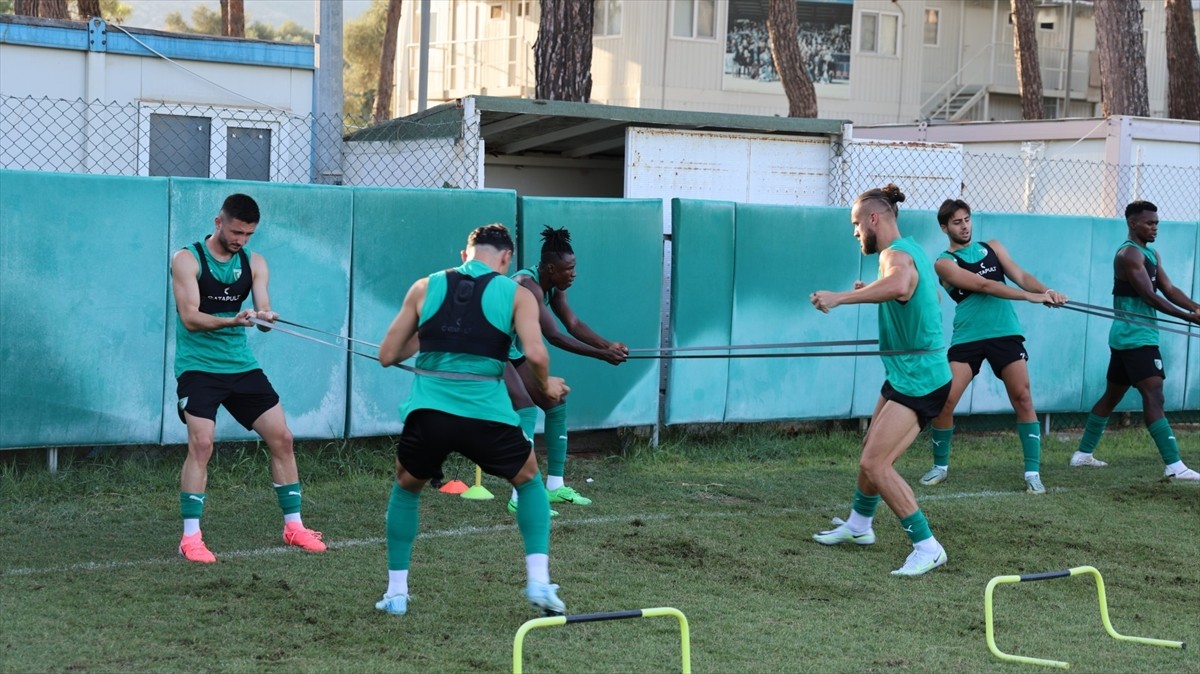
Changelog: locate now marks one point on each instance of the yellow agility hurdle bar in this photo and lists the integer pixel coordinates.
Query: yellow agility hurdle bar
(684, 635)
(1101, 596)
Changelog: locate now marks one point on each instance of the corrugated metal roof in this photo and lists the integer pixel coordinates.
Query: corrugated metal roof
(516, 126)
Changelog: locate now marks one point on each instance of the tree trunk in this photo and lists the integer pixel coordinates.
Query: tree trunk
(1183, 62)
(88, 9)
(233, 18)
(387, 64)
(1122, 58)
(789, 62)
(53, 9)
(1025, 51)
(25, 7)
(562, 55)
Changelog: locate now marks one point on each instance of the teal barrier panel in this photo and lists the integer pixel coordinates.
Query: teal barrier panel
(869, 375)
(82, 295)
(702, 244)
(1054, 338)
(401, 235)
(304, 234)
(1191, 395)
(1176, 243)
(619, 253)
(784, 253)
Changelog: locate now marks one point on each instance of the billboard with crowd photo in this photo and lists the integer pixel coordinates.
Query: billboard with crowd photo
(823, 30)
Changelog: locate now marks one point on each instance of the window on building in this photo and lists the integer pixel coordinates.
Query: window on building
(1046, 18)
(523, 8)
(179, 145)
(607, 22)
(878, 33)
(247, 154)
(933, 25)
(694, 19)
(497, 11)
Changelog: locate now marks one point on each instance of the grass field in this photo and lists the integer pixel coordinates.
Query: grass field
(716, 526)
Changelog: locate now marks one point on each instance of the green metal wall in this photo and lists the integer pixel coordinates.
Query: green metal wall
(618, 290)
(401, 236)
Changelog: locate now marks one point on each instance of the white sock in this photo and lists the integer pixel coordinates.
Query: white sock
(928, 546)
(292, 517)
(516, 496)
(191, 526)
(397, 582)
(553, 482)
(858, 523)
(1173, 468)
(1031, 473)
(537, 566)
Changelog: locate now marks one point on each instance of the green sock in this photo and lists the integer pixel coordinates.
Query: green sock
(402, 521)
(191, 505)
(528, 421)
(865, 505)
(556, 440)
(1165, 440)
(916, 527)
(1092, 430)
(941, 445)
(1031, 444)
(533, 517)
(289, 498)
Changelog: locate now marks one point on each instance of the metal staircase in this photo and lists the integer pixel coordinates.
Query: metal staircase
(956, 105)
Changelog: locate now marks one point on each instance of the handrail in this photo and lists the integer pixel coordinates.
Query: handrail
(952, 81)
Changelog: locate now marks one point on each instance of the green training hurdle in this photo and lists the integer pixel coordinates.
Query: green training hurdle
(553, 621)
(1101, 596)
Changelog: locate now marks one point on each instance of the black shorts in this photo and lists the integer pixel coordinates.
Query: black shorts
(927, 406)
(1127, 367)
(430, 435)
(998, 351)
(246, 395)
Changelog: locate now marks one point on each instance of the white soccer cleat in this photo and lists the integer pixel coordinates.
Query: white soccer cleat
(1086, 459)
(1185, 474)
(919, 562)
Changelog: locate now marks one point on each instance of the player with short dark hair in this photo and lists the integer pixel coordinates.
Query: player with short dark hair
(214, 366)
(464, 320)
(1135, 360)
(917, 384)
(549, 282)
(986, 328)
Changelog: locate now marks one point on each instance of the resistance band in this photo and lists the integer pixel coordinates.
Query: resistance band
(1114, 317)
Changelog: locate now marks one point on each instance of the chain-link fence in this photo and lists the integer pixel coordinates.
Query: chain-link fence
(165, 139)
(931, 173)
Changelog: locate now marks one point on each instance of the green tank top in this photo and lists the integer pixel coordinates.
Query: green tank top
(915, 325)
(484, 400)
(515, 351)
(1123, 335)
(981, 316)
(224, 351)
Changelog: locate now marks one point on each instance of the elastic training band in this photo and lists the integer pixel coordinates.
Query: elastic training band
(818, 354)
(1164, 328)
(737, 347)
(1168, 321)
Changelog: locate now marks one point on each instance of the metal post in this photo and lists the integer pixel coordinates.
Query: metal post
(327, 98)
(1070, 53)
(423, 68)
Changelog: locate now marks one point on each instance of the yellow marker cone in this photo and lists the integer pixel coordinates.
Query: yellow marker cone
(478, 492)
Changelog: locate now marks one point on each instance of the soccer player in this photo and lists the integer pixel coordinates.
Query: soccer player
(214, 366)
(986, 328)
(917, 384)
(1139, 277)
(466, 319)
(549, 282)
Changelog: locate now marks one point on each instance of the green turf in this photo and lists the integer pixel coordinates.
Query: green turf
(716, 526)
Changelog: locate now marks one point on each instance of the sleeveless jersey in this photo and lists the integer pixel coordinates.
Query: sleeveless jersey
(1124, 335)
(224, 287)
(914, 325)
(978, 315)
(484, 400)
(515, 352)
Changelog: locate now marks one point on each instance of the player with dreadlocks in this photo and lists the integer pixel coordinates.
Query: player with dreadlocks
(548, 282)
